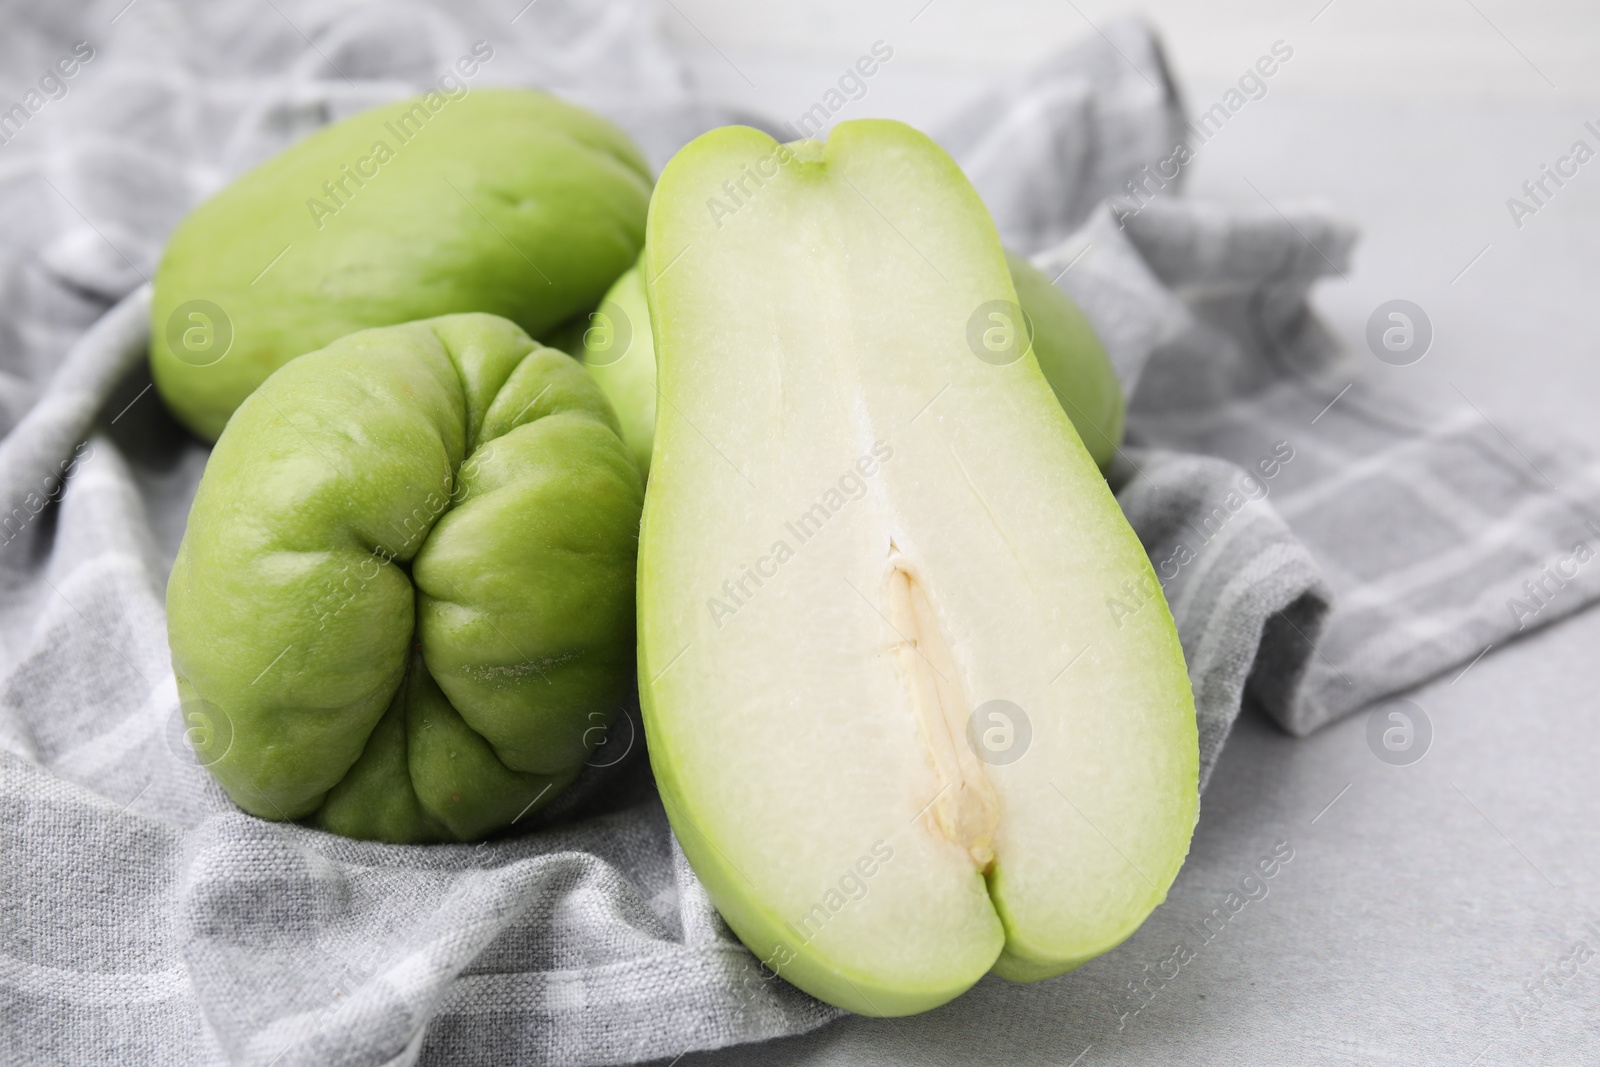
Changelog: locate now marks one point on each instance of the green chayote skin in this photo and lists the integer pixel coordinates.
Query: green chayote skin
(619, 350)
(405, 595)
(1076, 366)
(497, 200)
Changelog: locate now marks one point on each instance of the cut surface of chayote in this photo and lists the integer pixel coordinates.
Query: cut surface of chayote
(404, 601)
(504, 201)
(619, 350)
(899, 732)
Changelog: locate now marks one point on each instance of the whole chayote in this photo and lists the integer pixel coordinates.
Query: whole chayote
(504, 201)
(404, 601)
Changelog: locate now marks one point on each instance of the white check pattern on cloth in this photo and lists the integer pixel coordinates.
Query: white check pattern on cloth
(146, 920)
(1387, 551)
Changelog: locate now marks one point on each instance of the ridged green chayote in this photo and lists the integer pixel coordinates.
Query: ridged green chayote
(405, 595)
(500, 200)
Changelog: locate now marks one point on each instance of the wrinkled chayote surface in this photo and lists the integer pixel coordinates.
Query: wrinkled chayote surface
(499, 200)
(405, 595)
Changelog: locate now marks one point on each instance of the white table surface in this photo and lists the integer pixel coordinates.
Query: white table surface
(1419, 904)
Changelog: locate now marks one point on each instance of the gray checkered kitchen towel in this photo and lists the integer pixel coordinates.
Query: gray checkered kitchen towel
(1316, 557)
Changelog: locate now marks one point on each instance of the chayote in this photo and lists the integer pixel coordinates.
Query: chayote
(404, 601)
(1072, 360)
(496, 200)
(618, 347)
